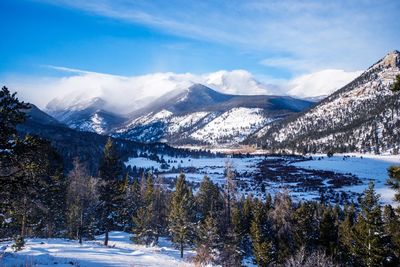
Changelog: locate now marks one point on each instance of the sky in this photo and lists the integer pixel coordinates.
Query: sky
(279, 44)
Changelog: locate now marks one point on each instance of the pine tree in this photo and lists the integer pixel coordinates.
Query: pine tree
(110, 195)
(306, 228)
(11, 114)
(146, 222)
(396, 85)
(391, 223)
(328, 237)
(368, 234)
(208, 199)
(181, 216)
(209, 243)
(394, 182)
(261, 236)
(346, 236)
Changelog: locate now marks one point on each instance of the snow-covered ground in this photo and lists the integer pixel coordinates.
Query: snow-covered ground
(213, 167)
(235, 124)
(365, 166)
(120, 253)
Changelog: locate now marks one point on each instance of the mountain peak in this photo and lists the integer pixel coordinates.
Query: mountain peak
(390, 60)
(198, 87)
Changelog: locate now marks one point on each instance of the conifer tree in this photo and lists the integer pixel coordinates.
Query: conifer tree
(208, 199)
(209, 241)
(396, 85)
(391, 223)
(328, 237)
(181, 216)
(110, 195)
(346, 236)
(261, 236)
(306, 228)
(147, 220)
(394, 182)
(369, 243)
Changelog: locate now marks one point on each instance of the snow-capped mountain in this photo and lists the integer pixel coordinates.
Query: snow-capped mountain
(362, 116)
(85, 116)
(200, 115)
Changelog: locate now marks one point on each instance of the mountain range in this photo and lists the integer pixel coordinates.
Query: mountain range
(195, 115)
(362, 116)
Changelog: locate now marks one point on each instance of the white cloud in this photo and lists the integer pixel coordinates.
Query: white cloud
(125, 94)
(320, 83)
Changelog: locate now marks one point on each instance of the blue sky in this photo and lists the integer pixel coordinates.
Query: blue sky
(274, 40)
(137, 37)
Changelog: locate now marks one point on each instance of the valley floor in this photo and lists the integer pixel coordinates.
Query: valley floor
(120, 253)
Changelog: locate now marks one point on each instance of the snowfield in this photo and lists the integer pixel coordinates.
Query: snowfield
(120, 253)
(368, 167)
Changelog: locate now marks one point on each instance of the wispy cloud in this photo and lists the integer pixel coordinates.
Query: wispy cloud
(312, 34)
(126, 93)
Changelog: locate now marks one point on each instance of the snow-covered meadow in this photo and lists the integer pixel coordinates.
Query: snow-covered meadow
(366, 167)
(121, 252)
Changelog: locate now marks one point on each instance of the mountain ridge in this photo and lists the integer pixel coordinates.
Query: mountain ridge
(360, 117)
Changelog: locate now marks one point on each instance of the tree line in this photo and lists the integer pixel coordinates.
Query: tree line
(38, 199)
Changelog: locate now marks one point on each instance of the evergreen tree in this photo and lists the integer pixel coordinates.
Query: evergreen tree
(209, 242)
(396, 85)
(306, 228)
(368, 234)
(328, 237)
(391, 223)
(346, 236)
(394, 182)
(110, 195)
(208, 199)
(181, 216)
(11, 114)
(261, 236)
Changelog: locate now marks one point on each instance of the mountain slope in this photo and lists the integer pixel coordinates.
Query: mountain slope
(88, 116)
(362, 116)
(200, 115)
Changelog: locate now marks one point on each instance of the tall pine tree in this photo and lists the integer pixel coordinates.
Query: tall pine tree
(181, 216)
(110, 193)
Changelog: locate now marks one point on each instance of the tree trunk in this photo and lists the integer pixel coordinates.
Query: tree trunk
(23, 221)
(181, 249)
(81, 228)
(106, 238)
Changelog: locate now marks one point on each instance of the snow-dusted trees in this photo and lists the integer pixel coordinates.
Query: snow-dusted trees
(181, 216)
(81, 201)
(150, 217)
(110, 193)
(370, 243)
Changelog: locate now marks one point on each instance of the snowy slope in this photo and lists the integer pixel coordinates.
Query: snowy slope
(120, 253)
(234, 125)
(202, 116)
(362, 116)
